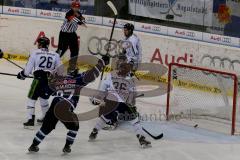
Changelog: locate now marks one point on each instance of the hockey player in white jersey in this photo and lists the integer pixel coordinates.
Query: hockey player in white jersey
(41, 62)
(121, 94)
(133, 53)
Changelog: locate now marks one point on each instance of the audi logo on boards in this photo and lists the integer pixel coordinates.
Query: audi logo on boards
(25, 11)
(102, 46)
(221, 39)
(156, 28)
(190, 34)
(56, 14)
(226, 40)
(224, 63)
(91, 19)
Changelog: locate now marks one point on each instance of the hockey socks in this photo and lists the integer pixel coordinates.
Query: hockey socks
(38, 138)
(71, 135)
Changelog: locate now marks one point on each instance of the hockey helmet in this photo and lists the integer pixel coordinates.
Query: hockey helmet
(129, 27)
(43, 42)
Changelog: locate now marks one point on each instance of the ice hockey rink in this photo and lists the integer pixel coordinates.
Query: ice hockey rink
(179, 143)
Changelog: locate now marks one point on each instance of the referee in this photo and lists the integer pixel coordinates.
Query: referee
(67, 36)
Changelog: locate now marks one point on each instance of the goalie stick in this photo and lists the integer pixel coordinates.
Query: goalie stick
(154, 137)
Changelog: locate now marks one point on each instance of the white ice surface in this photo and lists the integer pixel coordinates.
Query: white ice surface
(179, 142)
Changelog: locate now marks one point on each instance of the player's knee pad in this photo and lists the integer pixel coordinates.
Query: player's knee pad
(43, 102)
(31, 103)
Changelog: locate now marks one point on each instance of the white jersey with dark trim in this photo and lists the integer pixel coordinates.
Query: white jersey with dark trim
(42, 59)
(134, 53)
(119, 89)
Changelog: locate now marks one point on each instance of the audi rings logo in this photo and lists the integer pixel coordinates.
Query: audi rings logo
(220, 62)
(226, 40)
(91, 19)
(25, 11)
(156, 28)
(57, 14)
(190, 34)
(221, 39)
(101, 46)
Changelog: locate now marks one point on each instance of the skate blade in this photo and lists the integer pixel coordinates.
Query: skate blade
(64, 154)
(146, 146)
(29, 127)
(39, 123)
(91, 140)
(32, 152)
(109, 128)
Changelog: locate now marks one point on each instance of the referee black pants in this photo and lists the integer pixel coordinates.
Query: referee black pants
(68, 40)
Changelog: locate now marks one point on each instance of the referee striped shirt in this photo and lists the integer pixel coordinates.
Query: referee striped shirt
(71, 22)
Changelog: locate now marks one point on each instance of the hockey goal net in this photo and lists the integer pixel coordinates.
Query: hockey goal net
(202, 97)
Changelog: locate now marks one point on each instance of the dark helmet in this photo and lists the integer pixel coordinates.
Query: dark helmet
(129, 27)
(44, 42)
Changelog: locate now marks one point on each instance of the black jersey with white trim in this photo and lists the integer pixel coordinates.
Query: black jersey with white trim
(69, 87)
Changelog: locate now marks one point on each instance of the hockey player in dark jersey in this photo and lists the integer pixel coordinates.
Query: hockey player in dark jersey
(68, 90)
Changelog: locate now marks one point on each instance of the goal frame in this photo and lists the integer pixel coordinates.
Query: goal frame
(235, 90)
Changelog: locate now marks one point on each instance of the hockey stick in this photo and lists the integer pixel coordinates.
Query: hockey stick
(9, 74)
(154, 137)
(13, 63)
(113, 8)
(1, 56)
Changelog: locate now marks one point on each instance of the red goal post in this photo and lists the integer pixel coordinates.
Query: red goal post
(202, 92)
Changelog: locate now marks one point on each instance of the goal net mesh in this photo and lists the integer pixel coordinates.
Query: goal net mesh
(203, 97)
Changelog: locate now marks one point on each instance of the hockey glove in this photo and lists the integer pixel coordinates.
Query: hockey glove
(21, 75)
(94, 101)
(106, 59)
(1, 54)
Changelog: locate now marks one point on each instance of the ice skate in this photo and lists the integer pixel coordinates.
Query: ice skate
(93, 134)
(143, 142)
